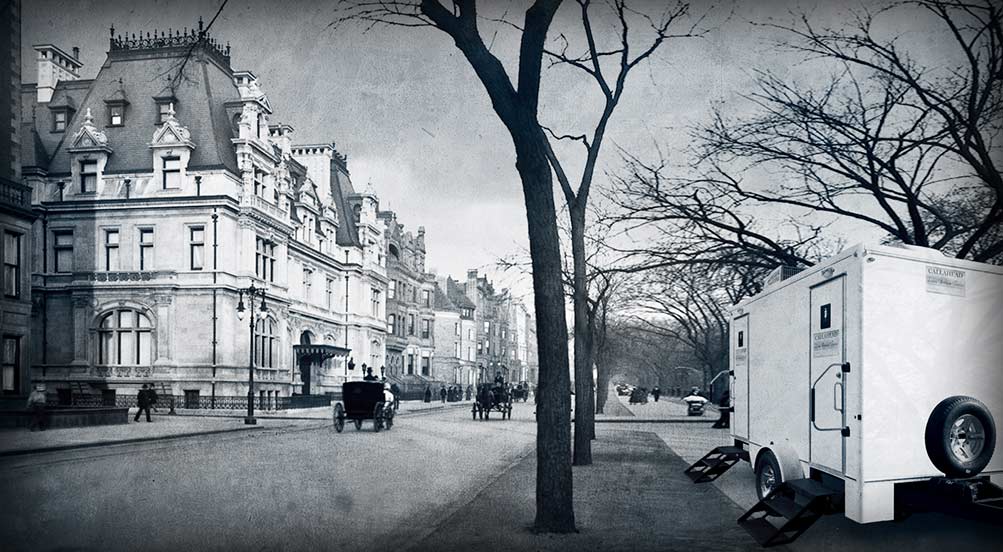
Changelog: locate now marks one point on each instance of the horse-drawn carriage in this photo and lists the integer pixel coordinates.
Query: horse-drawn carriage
(521, 391)
(490, 397)
(363, 400)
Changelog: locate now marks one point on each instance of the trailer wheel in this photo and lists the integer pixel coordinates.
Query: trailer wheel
(960, 436)
(768, 476)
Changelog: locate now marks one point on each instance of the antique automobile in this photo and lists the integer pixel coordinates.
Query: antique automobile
(363, 400)
(494, 397)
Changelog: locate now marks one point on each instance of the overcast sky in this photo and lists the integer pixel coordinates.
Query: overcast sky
(408, 111)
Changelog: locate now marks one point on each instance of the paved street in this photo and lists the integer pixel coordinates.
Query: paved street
(301, 487)
(436, 481)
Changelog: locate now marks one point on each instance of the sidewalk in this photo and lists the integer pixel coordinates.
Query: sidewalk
(21, 441)
(667, 409)
(634, 497)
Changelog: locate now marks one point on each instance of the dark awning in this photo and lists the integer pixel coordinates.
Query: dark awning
(323, 352)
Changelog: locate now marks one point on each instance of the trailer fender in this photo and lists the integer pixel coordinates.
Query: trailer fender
(787, 457)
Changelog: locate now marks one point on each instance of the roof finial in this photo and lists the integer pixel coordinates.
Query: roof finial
(200, 24)
(88, 118)
(112, 29)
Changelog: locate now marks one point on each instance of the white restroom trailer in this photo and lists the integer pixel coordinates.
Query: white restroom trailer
(863, 369)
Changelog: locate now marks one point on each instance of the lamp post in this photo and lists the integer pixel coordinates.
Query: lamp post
(252, 292)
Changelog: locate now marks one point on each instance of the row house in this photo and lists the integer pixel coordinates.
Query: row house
(411, 322)
(163, 190)
(455, 334)
(15, 222)
(497, 329)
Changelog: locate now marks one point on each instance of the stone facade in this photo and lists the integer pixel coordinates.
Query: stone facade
(162, 196)
(455, 334)
(503, 331)
(410, 315)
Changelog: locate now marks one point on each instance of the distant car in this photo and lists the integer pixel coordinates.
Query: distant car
(623, 390)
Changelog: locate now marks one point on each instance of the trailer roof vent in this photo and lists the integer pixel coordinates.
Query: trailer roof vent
(780, 274)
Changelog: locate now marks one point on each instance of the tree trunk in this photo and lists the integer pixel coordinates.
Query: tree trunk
(584, 416)
(554, 507)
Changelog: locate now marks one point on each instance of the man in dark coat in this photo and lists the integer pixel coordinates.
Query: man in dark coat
(656, 392)
(144, 402)
(442, 393)
(428, 394)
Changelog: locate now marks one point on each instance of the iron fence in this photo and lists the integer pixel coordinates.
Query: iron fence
(219, 402)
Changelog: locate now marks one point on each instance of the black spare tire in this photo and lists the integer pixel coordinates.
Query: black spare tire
(960, 436)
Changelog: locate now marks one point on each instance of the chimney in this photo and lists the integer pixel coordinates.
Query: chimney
(76, 53)
(54, 65)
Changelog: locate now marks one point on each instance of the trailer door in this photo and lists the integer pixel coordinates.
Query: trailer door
(827, 386)
(740, 376)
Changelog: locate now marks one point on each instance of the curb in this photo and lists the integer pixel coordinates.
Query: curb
(60, 448)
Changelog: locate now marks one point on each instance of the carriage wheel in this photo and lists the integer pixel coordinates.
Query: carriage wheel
(339, 417)
(358, 425)
(378, 417)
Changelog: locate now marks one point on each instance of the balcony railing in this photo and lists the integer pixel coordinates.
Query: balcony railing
(15, 195)
(265, 206)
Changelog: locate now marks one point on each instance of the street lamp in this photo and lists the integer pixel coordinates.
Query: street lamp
(252, 292)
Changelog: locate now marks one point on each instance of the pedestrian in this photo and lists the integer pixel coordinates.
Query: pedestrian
(724, 407)
(428, 394)
(442, 393)
(143, 401)
(36, 404)
(470, 389)
(656, 392)
(396, 390)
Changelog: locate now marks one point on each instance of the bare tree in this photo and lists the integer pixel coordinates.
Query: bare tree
(516, 105)
(921, 141)
(681, 221)
(609, 69)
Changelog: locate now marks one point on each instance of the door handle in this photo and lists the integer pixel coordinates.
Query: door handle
(837, 396)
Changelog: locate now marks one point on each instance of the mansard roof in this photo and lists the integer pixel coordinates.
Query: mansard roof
(200, 95)
(442, 302)
(456, 294)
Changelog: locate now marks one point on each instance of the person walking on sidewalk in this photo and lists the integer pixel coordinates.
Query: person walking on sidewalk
(656, 392)
(144, 400)
(428, 394)
(442, 393)
(36, 404)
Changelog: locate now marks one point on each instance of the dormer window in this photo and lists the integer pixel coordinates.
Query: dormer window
(59, 121)
(88, 177)
(172, 172)
(116, 115)
(164, 108)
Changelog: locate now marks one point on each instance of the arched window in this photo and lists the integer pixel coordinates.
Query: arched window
(265, 337)
(125, 338)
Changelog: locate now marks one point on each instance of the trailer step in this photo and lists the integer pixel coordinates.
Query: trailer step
(716, 462)
(795, 504)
